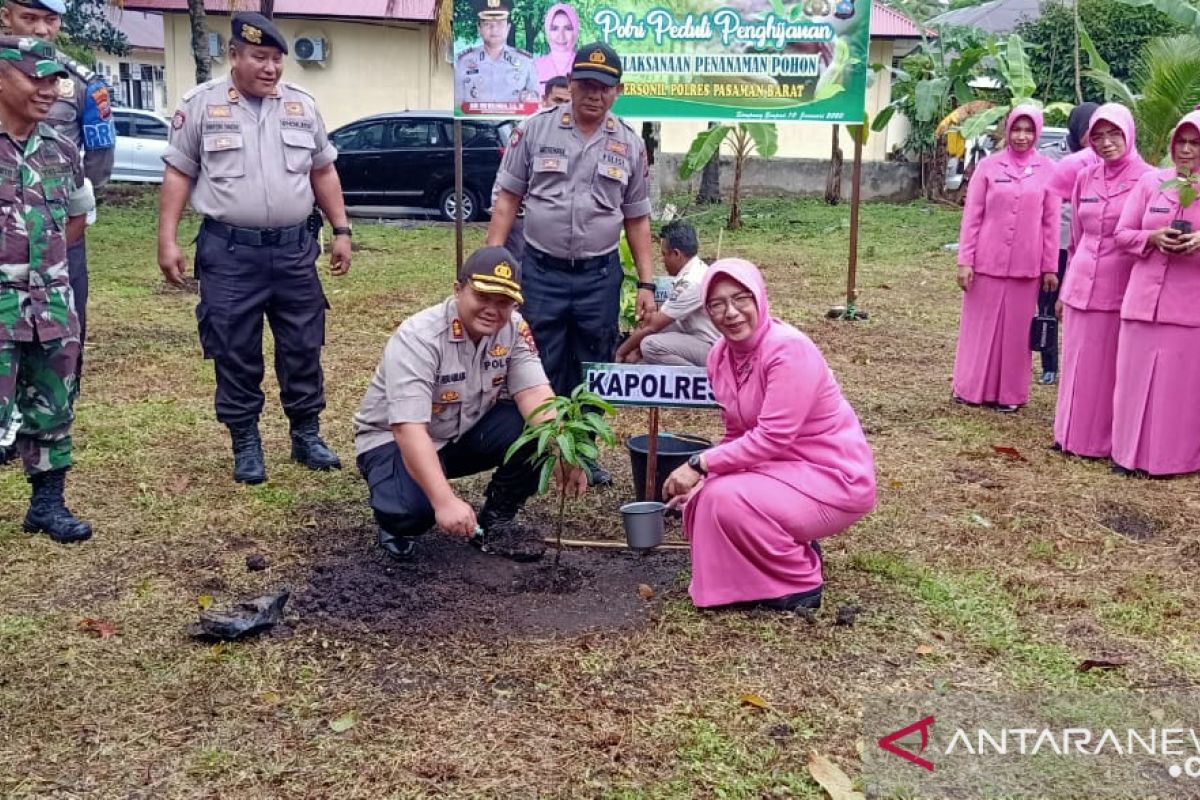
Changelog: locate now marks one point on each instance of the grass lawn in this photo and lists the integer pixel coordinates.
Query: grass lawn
(977, 571)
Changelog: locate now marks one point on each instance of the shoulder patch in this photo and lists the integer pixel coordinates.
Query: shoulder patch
(519, 51)
(66, 88)
(178, 120)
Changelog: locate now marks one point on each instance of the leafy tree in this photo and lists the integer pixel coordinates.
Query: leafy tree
(88, 26)
(569, 438)
(742, 141)
(1117, 31)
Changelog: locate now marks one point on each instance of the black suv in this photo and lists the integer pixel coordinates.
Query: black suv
(407, 159)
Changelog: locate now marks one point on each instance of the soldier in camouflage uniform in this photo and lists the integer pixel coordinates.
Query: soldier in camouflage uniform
(43, 199)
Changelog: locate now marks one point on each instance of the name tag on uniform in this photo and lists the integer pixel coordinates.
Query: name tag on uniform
(1004, 180)
(613, 159)
(550, 164)
(1154, 210)
(219, 111)
(1089, 199)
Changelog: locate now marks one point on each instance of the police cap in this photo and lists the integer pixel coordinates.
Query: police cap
(55, 6)
(33, 57)
(598, 62)
(493, 270)
(492, 9)
(252, 28)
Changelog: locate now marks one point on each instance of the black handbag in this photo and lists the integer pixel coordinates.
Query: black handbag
(1043, 333)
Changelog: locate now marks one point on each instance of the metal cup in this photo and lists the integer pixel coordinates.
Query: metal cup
(643, 524)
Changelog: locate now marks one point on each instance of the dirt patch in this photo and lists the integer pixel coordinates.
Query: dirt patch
(453, 588)
(1129, 522)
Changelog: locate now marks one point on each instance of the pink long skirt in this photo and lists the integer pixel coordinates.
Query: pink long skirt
(750, 536)
(1156, 416)
(993, 360)
(1083, 420)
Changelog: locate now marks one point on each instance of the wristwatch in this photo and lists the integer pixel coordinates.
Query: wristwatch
(342, 231)
(697, 463)
(647, 285)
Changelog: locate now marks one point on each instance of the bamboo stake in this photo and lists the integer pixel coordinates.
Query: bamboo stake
(610, 545)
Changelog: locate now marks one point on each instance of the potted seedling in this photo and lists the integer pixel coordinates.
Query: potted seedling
(1186, 185)
(570, 438)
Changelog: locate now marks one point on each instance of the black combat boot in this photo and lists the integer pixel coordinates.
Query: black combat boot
(48, 513)
(248, 465)
(309, 448)
(502, 535)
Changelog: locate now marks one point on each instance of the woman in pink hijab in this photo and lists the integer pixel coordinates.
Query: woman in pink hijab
(562, 32)
(1156, 416)
(1096, 279)
(1008, 248)
(793, 466)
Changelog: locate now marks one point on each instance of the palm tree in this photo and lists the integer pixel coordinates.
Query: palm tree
(1167, 77)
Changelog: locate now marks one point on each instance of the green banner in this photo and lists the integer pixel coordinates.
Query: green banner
(754, 60)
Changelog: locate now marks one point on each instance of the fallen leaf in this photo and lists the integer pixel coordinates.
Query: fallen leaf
(755, 701)
(344, 723)
(924, 650)
(272, 698)
(205, 601)
(645, 591)
(1011, 452)
(894, 484)
(1111, 662)
(835, 782)
(101, 628)
(981, 520)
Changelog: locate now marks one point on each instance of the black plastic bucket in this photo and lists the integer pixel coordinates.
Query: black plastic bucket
(673, 451)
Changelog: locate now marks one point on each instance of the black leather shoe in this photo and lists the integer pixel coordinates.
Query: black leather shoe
(794, 602)
(48, 513)
(398, 548)
(309, 449)
(1005, 409)
(598, 476)
(1048, 377)
(248, 464)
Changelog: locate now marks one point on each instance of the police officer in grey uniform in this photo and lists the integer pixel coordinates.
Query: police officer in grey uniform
(252, 153)
(493, 72)
(450, 395)
(581, 173)
(82, 115)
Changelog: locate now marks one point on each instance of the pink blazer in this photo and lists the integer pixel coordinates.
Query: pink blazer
(1100, 267)
(1011, 224)
(1162, 288)
(789, 420)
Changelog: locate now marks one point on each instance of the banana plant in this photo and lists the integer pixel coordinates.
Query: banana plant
(742, 141)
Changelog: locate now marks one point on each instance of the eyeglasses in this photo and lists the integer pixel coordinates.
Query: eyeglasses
(743, 301)
(1111, 136)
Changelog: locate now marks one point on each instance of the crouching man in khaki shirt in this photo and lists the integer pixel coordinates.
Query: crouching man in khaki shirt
(450, 395)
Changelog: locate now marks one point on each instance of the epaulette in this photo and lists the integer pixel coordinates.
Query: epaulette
(628, 126)
(74, 67)
(301, 90)
(195, 90)
(521, 52)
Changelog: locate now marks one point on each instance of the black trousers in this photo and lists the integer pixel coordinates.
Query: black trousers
(1046, 301)
(400, 505)
(574, 315)
(239, 285)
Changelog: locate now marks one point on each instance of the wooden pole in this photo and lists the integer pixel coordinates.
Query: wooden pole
(855, 197)
(610, 545)
(458, 193)
(652, 458)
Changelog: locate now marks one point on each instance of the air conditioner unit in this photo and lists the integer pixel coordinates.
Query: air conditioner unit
(215, 45)
(310, 49)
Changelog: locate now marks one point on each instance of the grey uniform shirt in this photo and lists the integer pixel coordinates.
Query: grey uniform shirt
(578, 193)
(250, 166)
(66, 117)
(432, 373)
(686, 306)
(506, 79)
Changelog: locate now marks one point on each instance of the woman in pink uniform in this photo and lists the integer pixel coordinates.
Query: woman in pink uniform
(1156, 416)
(562, 32)
(793, 466)
(1008, 249)
(1096, 280)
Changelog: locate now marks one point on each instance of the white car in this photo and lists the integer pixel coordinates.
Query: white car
(141, 142)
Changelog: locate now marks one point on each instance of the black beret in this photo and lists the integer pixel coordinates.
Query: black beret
(252, 28)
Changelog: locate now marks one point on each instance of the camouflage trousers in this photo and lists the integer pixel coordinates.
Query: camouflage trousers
(37, 381)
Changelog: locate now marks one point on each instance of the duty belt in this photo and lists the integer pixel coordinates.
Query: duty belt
(255, 237)
(570, 264)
